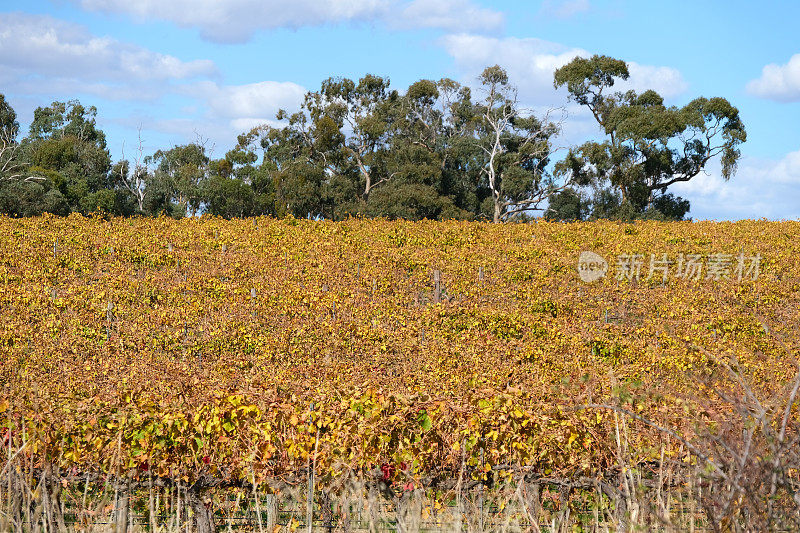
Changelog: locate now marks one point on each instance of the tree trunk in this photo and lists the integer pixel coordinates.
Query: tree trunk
(532, 502)
(121, 511)
(367, 179)
(203, 514)
(271, 503)
(326, 510)
(497, 211)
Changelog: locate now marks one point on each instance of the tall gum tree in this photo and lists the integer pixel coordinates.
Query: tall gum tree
(178, 178)
(517, 148)
(649, 146)
(362, 113)
(64, 140)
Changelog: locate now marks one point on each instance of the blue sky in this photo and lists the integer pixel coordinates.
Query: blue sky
(211, 69)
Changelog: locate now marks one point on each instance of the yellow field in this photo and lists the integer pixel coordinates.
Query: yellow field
(224, 348)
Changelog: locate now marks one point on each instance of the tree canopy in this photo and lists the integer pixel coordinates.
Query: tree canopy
(648, 145)
(436, 150)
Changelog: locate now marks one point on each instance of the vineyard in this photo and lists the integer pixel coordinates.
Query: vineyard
(154, 361)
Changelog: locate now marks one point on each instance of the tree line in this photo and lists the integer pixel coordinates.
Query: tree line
(361, 148)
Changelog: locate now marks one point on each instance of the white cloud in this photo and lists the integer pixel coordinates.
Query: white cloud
(666, 81)
(217, 113)
(530, 64)
(761, 188)
(228, 110)
(249, 101)
(27, 84)
(565, 8)
(43, 46)
(235, 21)
(778, 82)
(450, 15)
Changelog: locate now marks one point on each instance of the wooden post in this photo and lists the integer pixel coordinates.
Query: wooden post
(271, 504)
(170, 247)
(122, 505)
(224, 248)
(437, 286)
(480, 274)
(55, 247)
(374, 287)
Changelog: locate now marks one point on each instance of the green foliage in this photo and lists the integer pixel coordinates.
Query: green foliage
(26, 198)
(515, 149)
(229, 198)
(361, 148)
(178, 179)
(64, 139)
(9, 127)
(649, 145)
(568, 205)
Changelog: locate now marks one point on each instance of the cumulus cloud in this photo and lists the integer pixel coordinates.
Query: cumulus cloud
(778, 82)
(450, 15)
(235, 21)
(217, 113)
(43, 46)
(252, 101)
(224, 111)
(761, 188)
(531, 62)
(666, 81)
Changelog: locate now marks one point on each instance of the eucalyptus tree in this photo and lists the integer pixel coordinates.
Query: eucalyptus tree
(517, 147)
(240, 184)
(64, 139)
(65, 146)
(132, 177)
(328, 158)
(649, 146)
(355, 119)
(418, 158)
(303, 157)
(175, 186)
(24, 190)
